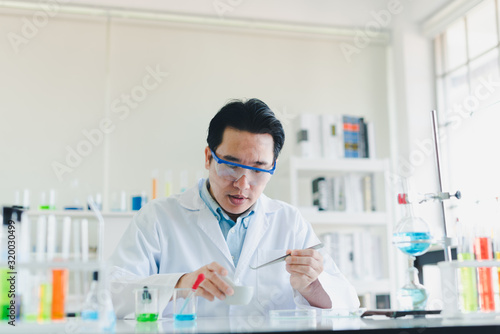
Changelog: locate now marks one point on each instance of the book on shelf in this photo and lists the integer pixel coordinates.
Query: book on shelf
(357, 254)
(350, 193)
(351, 136)
(359, 138)
(363, 139)
(320, 193)
(333, 136)
(370, 135)
(308, 138)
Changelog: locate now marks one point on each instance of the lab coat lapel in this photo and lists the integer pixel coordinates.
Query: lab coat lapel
(206, 221)
(256, 230)
(210, 226)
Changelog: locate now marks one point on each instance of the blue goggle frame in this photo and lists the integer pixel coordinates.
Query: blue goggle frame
(222, 161)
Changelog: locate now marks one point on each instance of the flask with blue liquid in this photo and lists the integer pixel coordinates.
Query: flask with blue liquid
(413, 295)
(412, 234)
(90, 309)
(413, 237)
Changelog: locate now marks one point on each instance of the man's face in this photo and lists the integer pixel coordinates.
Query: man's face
(242, 147)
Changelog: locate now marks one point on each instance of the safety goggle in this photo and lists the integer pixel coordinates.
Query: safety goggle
(233, 171)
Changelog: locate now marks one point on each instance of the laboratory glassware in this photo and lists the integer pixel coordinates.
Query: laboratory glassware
(146, 304)
(413, 295)
(467, 275)
(90, 308)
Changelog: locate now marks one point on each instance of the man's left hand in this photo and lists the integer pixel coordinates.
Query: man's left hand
(304, 266)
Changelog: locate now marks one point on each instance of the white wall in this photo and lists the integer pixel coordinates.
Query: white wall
(49, 92)
(61, 83)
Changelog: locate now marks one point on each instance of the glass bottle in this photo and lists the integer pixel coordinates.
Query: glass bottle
(90, 309)
(413, 295)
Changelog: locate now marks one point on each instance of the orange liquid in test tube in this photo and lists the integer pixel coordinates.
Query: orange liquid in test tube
(482, 250)
(59, 288)
(497, 257)
(155, 184)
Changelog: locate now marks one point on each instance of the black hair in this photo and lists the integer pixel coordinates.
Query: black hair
(253, 116)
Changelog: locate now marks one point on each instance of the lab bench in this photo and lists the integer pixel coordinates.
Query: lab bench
(260, 324)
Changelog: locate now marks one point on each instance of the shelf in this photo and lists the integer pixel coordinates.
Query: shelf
(81, 213)
(341, 218)
(70, 265)
(339, 165)
(372, 286)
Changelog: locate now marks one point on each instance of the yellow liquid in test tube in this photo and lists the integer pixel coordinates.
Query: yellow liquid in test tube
(45, 302)
(468, 295)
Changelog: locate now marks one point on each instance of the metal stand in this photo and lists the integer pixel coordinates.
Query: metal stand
(447, 247)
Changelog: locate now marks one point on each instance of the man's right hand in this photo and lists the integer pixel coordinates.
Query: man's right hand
(212, 286)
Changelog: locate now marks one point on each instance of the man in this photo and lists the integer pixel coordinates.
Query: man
(224, 225)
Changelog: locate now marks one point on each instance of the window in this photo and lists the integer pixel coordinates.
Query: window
(468, 97)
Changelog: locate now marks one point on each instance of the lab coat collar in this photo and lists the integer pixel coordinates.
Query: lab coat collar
(191, 200)
(207, 222)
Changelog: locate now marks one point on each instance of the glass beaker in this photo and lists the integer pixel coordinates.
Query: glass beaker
(146, 304)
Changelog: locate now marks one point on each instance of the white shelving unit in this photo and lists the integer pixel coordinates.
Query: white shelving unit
(114, 227)
(81, 213)
(380, 220)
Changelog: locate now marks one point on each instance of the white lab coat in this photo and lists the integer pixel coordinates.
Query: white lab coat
(172, 236)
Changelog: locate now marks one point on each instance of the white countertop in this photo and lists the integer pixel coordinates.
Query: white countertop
(262, 324)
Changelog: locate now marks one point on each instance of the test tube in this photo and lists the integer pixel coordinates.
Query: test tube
(85, 239)
(60, 276)
(26, 199)
(52, 199)
(168, 183)
(59, 288)
(468, 283)
(123, 201)
(17, 198)
(496, 247)
(51, 237)
(483, 251)
(45, 307)
(154, 190)
(184, 180)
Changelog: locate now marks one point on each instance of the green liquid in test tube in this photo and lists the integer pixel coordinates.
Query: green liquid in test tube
(4, 297)
(468, 296)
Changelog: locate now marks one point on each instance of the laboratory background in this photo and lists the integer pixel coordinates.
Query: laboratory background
(105, 105)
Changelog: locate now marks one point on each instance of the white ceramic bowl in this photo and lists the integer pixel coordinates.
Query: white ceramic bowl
(242, 295)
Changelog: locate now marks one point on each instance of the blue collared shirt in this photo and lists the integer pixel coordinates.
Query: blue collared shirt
(234, 233)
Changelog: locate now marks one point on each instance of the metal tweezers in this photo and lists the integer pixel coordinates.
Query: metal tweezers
(318, 246)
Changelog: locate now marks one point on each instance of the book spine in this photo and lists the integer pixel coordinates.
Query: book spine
(346, 121)
(320, 193)
(355, 137)
(370, 129)
(367, 193)
(362, 153)
(330, 137)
